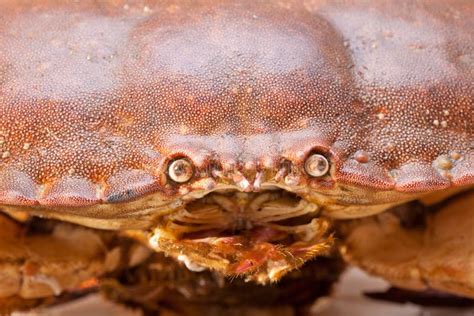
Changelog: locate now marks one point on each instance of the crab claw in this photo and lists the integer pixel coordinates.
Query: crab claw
(438, 255)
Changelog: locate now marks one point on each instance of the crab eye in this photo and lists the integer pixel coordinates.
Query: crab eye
(316, 165)
(180, 170)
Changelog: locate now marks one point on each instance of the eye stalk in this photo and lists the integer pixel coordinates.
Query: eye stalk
(180, 170)
(316, 165)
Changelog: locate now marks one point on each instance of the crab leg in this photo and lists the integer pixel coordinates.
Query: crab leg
(39, 265)
(438, 256)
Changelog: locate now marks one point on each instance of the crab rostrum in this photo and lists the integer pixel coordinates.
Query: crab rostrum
(240, 139)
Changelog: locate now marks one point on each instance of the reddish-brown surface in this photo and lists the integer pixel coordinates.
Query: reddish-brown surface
(97, 96)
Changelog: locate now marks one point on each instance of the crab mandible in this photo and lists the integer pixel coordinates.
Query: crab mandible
(244, 137)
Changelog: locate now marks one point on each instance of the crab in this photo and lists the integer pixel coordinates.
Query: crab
(198, 151)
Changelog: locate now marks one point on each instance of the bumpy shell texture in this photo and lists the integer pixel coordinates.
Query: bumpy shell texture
(96, 97)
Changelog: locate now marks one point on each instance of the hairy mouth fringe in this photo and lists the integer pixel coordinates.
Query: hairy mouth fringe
(260, 236)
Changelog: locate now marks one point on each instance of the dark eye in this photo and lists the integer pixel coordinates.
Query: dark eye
(180, 170)
(316, 165)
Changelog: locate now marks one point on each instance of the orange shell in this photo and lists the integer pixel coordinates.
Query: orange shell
(96, 96)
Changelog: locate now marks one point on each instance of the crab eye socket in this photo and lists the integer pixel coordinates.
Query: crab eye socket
(316, 165)
(180, 170)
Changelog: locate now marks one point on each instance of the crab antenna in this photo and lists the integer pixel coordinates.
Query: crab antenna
(258, 181)
(241, 181)
(281, 173)
(216, 173)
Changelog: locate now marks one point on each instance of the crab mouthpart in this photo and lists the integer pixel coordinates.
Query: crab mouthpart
(261, 236)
